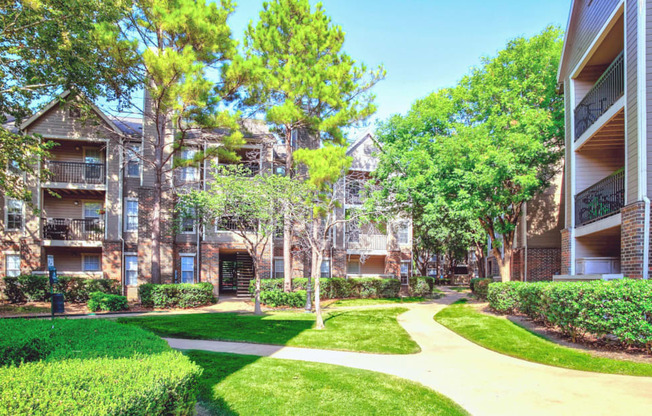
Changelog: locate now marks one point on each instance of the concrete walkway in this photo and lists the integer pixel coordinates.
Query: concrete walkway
(481, 381)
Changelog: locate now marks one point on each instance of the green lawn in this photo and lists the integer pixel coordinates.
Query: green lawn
(503, 336)
(247, 385)
(369, 330)
(384, 301)
(23, 309)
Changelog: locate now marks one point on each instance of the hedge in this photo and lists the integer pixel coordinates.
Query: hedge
(185, 295)
(421, 285)
(36, 288)
(479, 286)
(91, 367)
(107, 302)
(276, 298)
(622, 308)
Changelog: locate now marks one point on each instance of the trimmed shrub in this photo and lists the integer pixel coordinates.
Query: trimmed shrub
(389, 288)
(94, 367)
(276, 298)
(185, 295)
(35, 288)
(504, 297)
(622, 308)
(25, 288)
(107, 302)
(421, 285)
(78, 289)
(480, 286)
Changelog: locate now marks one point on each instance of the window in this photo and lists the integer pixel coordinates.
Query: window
(405, 267)
(403, 233)
(92, 216)
(279, 269)
(12, 265)
(188, 173)
(131, 270)
(14, 167)
(187, 269)
(91, 262)
(131, 216)
(188, 222)
(14, 214)
(353, 267)
(325, 268)
(133, 160)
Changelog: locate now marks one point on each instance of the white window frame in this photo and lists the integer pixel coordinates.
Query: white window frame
(188, 154)
(278, 260)
(408, 265)
(353, 261)
(128, 215)
(132, 153)
(22, 214)
(99, 262)
(325, 260)
(12, 272)
(184, 256)
(194, 224)
(127, 270)
(403, 226)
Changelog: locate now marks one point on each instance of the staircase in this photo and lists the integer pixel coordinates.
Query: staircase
(245, 273)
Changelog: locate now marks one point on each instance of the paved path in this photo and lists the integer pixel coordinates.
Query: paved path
(481, 381)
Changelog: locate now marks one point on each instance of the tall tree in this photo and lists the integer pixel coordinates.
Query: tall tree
(177, 49)
(47, 46)
(326, 169)
(300, 78)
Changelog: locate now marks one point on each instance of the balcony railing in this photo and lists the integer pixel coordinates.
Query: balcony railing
(368, 242)
(233, 224)
(68, 229)
(601, 200)
(77, 172)
(606, 91)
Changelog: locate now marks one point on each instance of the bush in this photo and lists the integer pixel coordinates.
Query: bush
(78, 289)
(276, 298)
(504, 297)
(107, 302)
(184, 295)
(91, 367)
(35, 288)
(622, 308)
(25, 288)
(480, 286)
(421, 285)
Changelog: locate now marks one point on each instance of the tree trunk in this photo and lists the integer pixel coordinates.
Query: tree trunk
(316, 274)
(257, 309)
(156, 233)
(287, 223)
(479, 256)
(505, 264)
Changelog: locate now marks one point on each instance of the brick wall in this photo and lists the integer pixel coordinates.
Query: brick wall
(393, 263)
(631, 240)
(565, 260)
(210, 265)
(112, 260)
(339, 263)
(543, 263)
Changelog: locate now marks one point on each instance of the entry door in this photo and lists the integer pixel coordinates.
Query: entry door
(228, 274)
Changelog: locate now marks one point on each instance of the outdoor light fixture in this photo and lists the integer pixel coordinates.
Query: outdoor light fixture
(76, 203)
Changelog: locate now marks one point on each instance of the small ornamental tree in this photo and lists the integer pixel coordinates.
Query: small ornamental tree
(326, 168)
(169, 47)
(299, 77)
(253, 206)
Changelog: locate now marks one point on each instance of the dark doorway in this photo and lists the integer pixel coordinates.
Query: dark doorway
(236, 271)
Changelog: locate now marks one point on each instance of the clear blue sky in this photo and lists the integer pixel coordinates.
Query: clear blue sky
(425, 44)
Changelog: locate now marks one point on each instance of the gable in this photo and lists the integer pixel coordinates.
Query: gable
(364, 154)
(59, 122)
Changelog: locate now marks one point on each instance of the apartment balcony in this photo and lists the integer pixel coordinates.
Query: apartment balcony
(233, 224)
(76, 174)
(367, 242)
(71, 232)
(248, 169)
(607, 90)
(601, 200)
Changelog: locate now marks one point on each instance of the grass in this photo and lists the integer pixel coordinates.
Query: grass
(247, 385)
(370, 330)
(460, 289)
(384, 301)
(23, 309)
(503, 336)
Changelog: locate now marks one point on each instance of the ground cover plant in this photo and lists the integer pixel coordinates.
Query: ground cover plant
(621, 308)
(91, 367)
(369, 330)
(503, 336)
(241, 384)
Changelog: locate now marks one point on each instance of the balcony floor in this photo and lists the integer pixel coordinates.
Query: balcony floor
(71, 243)
(608, 132)
(599, 225)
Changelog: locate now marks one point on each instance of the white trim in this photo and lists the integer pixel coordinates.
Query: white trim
(21, 229)
(597, 40)
(83, 261)
(573, 178)
(600, 225)
(187, 254)
(599, 123)
(641, 101)
(566, 33)
(126, 214)
(76, 139)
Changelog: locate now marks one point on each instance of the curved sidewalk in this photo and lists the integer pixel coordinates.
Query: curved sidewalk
(482, 381)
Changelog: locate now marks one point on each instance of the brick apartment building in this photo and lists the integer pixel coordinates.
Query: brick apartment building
(93, 212)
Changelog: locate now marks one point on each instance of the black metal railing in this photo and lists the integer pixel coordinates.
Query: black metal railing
(601, 200)
(87, 229)
(606, 91)
(77, 172)
(235, 224)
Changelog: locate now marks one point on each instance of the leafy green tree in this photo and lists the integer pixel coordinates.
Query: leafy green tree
(482, 149)
(254, 206)
(299, 77)
(327, 167)
(170, 46)
(47, 46)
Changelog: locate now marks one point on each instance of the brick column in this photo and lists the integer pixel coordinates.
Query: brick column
(112, 260)
(393, 263)
(631, 240)
(210, 265)
(339, 263)
(565, 251)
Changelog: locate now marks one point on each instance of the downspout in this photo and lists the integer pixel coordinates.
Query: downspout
(646, 239)
(123, 283)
